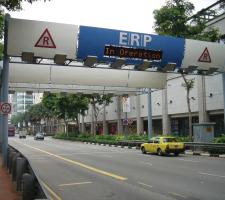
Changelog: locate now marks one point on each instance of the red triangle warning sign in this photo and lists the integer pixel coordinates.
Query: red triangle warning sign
(45, 41)
(205, 57)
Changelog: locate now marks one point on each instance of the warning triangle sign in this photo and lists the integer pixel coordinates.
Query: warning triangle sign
(45, 41)
(205, 57)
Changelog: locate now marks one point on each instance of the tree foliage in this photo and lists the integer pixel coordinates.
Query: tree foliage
(18, 118)
(173, 20)
(49, 102)
(14, 5)
(69, 106)
(36, 112)
(65, 107)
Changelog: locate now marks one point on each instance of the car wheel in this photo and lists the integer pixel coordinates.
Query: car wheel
(159, 152)
(143, 150)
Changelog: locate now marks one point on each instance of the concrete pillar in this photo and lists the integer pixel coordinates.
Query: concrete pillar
(165, 118)
(203, 115)
(223, 76)
(119, 122)
(138, 116)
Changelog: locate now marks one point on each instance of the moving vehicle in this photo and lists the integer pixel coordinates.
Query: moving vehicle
(22, 134)
(39, 136)
(163, 146)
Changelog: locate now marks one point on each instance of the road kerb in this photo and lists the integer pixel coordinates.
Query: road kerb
(189, 152)
(205, 154)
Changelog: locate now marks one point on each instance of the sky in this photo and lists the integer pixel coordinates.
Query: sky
(129, 15)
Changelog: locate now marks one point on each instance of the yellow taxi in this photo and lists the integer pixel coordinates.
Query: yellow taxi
(163, 145)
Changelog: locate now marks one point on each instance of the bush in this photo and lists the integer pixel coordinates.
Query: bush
(220, 139)
(183, 139)
(137, 137)
(119, 137)
(105, 137)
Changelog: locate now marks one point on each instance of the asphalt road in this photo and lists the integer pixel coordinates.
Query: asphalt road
(77, 171)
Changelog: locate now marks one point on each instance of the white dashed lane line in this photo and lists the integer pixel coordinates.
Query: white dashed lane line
(144, 184)
(177, 195)
(188, 160)
(215, 175)
(73, 184)
(147, 163)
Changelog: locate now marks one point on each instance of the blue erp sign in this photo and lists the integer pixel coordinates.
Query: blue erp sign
(108, 44)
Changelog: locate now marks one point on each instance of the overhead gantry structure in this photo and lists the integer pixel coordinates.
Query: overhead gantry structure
(53, 57)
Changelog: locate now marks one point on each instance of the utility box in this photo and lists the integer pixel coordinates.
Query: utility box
(204, 132)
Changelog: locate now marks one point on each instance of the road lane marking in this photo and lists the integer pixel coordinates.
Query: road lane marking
(71, 184)
(80, 164)
(187, 160)
(106, 156)
(176, 194)
(147, 163)
(150, 186)
(215, 175)
(50, 191)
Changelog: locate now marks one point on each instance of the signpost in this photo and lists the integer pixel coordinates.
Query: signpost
(4, 93)
(126, 109)
(5, 108)
(133, 46)
(126, 104)
(125, 52)
(44, 39)
(204, 55)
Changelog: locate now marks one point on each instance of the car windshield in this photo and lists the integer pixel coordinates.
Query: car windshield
(169, 140)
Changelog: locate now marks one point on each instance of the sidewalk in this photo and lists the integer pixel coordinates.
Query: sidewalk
(7, 188)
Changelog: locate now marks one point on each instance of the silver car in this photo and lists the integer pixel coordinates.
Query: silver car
(39, 136)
